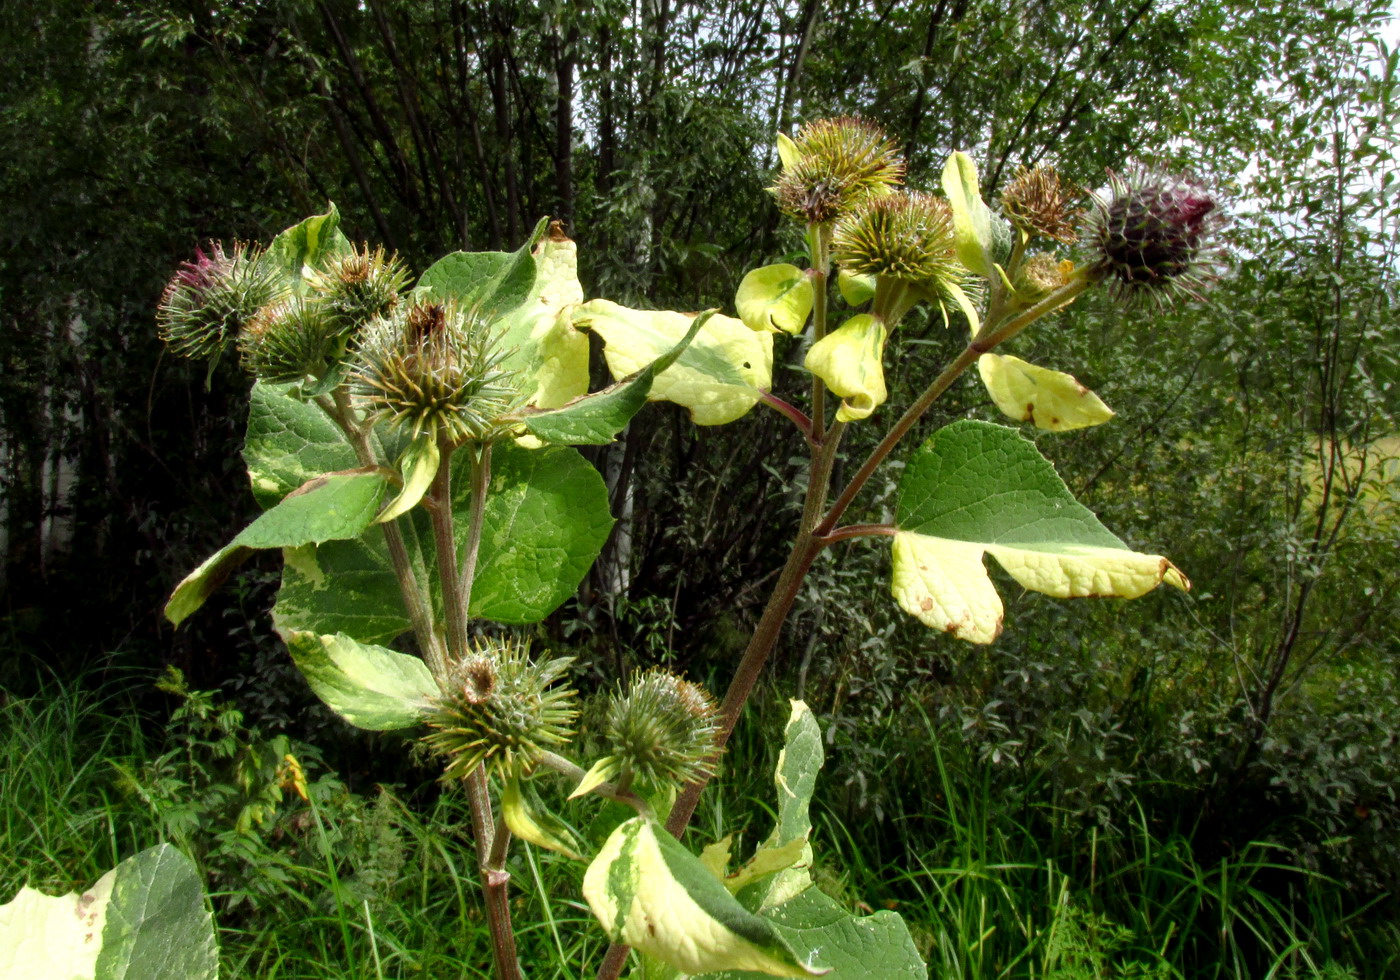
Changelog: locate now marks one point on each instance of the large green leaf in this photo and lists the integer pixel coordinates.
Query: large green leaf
(330, 507)
(814, 926)
(307, 245)
(369, 686)
(595, 419)
(652, 894)
(527, 296)
(344, 587)
(144, 918)
(720, 375)
(289, 441)
(546, 519)
(975, 488)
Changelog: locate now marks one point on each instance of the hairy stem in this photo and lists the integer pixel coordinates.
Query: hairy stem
(419, 617)
(495, 882)
(491, 841)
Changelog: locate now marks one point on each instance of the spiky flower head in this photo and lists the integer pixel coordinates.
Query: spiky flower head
(208, 301)
(1155, 235)
(906, 236)
(434, 367)
(289, 339)
(1038, 202)
(663, 728)
(359, 286)
(500, 709)
(832, 165)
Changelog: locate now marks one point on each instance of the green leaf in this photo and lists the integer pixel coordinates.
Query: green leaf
(289, 441)
(1052, 400)
(418, 466)
(528, 296)
(872, 947)
(652, 894)
(371, 687)
(775, 298)
(975, 488)
(144, 918)
(867, 947)
(973, 235)
(477, 280)
(545, 521)
(603, 770)
(719, 377)
(307, 246)
(333, 506)
(342, 587)
(596, 419)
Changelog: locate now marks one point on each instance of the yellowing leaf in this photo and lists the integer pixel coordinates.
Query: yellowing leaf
(944, 585)
(719, 377)
(787, 151)
(976, 488)
(652, 894)
(47, 938)
(1052, 400)
(856, 289)
(603, 770)
(850, 360)
(774, 298)
(530, 820)
(972, 219)
(418, 465)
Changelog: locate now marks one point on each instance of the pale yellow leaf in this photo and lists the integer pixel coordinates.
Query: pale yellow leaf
(719, 377)
(1052, 400)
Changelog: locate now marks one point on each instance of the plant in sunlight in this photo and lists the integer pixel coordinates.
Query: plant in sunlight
(414, 452)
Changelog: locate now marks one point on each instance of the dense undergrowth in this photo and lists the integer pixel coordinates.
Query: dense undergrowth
(997, 880)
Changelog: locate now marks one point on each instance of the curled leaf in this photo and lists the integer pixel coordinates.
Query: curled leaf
(530, 820)
(418, 465)
(850, 360)
(775, 298)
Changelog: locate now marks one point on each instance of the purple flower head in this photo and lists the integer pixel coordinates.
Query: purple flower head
(1156, 235)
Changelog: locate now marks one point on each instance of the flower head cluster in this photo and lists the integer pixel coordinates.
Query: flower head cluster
(1038, 202)
(663, 728)
(1155, 235)
(434, 367)
(500, 709)
(208, 301)
(832, 165)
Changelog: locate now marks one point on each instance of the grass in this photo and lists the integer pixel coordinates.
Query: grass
(373, 887)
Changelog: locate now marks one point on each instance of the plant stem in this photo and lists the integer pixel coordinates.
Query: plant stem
(456, 591)
(979, 345)
(494, 881)
(818, 239)
(343, 413)
(481, 477)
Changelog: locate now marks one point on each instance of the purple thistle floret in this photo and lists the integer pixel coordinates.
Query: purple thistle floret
(1157, 236)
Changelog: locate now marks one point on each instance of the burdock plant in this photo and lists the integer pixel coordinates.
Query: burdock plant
(415, 453)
